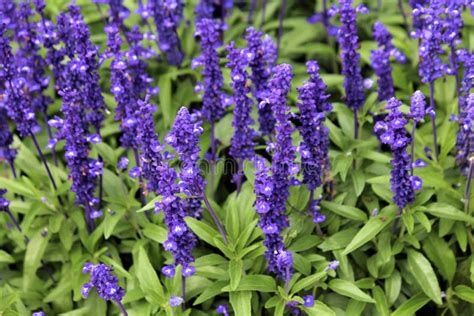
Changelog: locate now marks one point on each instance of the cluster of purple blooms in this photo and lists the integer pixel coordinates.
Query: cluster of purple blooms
(349, 43)
(262, 53)
(392, 132)
(242, 142)
(315, 145)
(272, 192)
(381, 61)
(162, 179)
(104, 282)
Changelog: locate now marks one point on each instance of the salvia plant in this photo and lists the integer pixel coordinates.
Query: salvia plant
(171, 157)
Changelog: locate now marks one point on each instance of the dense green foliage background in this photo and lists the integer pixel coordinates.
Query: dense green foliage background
(381, 272)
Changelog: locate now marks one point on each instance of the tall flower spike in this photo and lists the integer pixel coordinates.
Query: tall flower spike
(392, 132)
(7, 153)
(161, 179)
(84, 63)
(184, 138)
(418, 111)
(465, 135)
(314, 148)
(84, 171)
(105, 283)
(168, 16)
(14, 100)
(451, 36)
(431, 67)
(263, 57)
(349, 43)
(271, 222)
(283, 166)
(213, 101)
(381, 61)
(242, 144)
(416, 4)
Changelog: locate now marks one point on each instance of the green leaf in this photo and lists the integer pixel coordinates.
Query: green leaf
(339, 240)
(381, 303)
(448, 211)
(166, 101)
(235, 272)
(358, 181)
(211, 291)
(319, 309)
(345, 211)
(411, 306)
(441, 255)
(150, 205)
(34, 253)
(111, 220)
(349, 289)
(202, 230)
(374, 226)
(424, 275)
(240, 302)
(256, 282)
(5, 257)
(148, 279)
(115, 188)
(155, 232)
(393, 286)
(465, 293)
(308, 281)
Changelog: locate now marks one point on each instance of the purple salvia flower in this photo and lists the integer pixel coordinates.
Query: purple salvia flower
(168, 15)
(430, 34)
(418, 107)
(162, 180)
(223, 309)
(175, 301)
(451, 36)
(392, 132)
(7, 13)
(84, 171)
(84, 65)
(242, 141)
(263, 57)
(273, 192)
(283, 165)
(30, 64)
(381, 61)
(7, 153)
(308, 301)
(465, 135)
(271, 221)
(204, 10)
(349, 42)
(184, 138)
(104, 281)
(40, 313)
(314, 148)
(416, 5)
(14, 100)
(213, 103)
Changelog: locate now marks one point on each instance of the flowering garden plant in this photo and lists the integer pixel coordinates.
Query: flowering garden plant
(203, 157)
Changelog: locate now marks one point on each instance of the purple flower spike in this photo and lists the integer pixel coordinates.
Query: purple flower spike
(168, 16)
(184, 138)
(430, 34)
(262, 52)
(465, 136)
(162, 179)
(417, 107)
(314, 148)
(381, 61)
(349, 42)
(397, 138)
(213, 105)
(104, 282)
